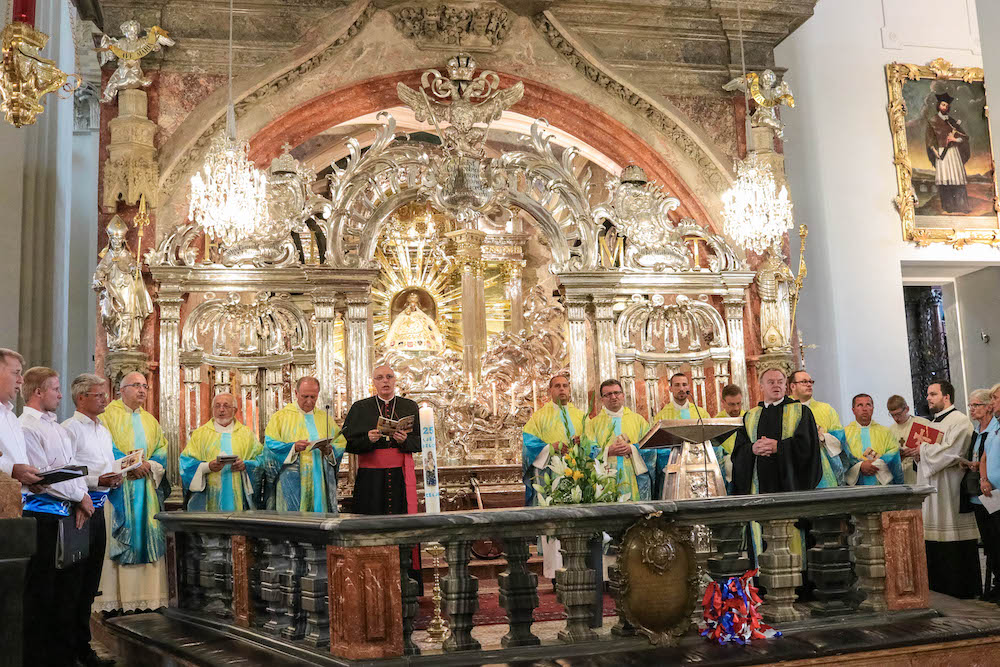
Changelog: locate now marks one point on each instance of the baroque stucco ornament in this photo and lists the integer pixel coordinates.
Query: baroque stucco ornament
(441, 26)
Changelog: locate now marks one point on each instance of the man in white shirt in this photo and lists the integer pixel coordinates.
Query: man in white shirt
(50, 592)
(13, 457)
(92, 447)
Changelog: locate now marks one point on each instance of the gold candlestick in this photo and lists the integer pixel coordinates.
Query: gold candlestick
(437, 630)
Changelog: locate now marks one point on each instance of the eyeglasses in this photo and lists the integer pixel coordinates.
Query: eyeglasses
(977, 405)
(803, 382)
(137, 385)
(97, 395)
(609, 394)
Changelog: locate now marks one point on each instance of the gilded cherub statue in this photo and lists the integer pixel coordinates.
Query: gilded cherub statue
(767, 96)
(125, 303)
(129, 49)
(473, 101)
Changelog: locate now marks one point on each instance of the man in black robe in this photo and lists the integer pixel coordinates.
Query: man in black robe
(778, 444)
(385, 482)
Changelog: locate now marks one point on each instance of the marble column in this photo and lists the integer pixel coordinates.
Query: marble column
(626, 375)
(468, 253)
(734, 305)
(652, 379)
(324, 307)
(578, 362)
(605, 342)
(358, 346)
(170, 300)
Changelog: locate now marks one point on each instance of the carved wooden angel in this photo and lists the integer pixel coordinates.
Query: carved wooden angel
(767, 96)
(472, 102)
(129, 49)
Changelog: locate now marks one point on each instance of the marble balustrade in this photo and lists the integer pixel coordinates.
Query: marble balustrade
(340, 585)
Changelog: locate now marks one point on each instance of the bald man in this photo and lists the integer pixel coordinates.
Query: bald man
(220, 465)
(304, 446)
(386, 482)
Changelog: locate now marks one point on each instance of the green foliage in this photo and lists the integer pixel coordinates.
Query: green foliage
(575, 477)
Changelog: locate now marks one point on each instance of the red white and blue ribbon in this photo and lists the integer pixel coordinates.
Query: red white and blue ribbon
(730, 612)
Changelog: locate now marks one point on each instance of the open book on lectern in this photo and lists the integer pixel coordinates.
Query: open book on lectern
(668, 433)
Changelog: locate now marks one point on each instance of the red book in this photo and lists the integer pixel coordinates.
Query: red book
(921, 434)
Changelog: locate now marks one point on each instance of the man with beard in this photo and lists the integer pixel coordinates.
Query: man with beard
(948, 150)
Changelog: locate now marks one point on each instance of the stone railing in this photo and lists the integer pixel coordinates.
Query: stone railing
(310, 584)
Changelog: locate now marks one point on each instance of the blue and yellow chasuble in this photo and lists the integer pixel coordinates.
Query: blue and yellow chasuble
(226, 490)
(600, 431)
(138, 537)
(829, 420)
(301, 479)
(549, 424)
(880, 440)
(671, 411)
(724, 453)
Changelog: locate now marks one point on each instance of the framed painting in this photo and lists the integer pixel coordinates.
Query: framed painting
(943, 154)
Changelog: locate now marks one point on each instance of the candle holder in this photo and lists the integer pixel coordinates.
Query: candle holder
(437, 630)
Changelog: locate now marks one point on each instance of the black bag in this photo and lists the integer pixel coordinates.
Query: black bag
(72, 544)
(971, 478)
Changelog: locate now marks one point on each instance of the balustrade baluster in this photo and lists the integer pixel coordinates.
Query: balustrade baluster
(409, 589)
(829, 567)
(518, 594)
(314, 596)
(270, 586)
(461, 597)
(780, 571)
(216, 570)
(575, 583)
(869, 561)
(728, 561)
(291, 588)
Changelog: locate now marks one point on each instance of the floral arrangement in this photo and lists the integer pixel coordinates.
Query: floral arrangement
(574, 477)
(730, 612)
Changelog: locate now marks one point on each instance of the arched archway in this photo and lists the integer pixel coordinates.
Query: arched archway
(571, 114)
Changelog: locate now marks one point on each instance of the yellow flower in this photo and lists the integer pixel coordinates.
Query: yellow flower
(577, 475)
(571, 461)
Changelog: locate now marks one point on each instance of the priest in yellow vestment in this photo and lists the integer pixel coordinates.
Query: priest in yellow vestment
(214, 485)
(732, 406)
(303, 474)
(831, 433)
(678, 407)
(902, 423)
(555, 424)
(612, 435)
(135, 576)
(872, 451)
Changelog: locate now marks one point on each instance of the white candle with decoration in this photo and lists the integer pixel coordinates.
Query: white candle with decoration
(428, 447)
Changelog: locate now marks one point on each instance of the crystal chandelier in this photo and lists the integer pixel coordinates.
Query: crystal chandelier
(757, 213)
(229, 195)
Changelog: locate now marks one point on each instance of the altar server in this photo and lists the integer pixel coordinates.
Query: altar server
(678, 407)
(612, 435)
(873, 452)
(732, 406)
(215, 486)
(950, 534)
(831, 433)
(92, 447)
(51, 591)
(304, 476)
(135, 576)
(386, 482)
(902, 423)
(557, 423)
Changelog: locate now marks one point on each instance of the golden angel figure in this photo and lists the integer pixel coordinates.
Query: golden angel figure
(129, 49)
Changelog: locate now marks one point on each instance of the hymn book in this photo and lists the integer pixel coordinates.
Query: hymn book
(388, 427)
(61, 474)
(130, 461)
(922, 434)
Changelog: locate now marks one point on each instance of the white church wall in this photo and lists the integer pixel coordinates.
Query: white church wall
(838, 158)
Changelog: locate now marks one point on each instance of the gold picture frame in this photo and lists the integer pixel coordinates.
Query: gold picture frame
(928, 211)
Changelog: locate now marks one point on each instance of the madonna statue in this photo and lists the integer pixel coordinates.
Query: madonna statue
(414, 330)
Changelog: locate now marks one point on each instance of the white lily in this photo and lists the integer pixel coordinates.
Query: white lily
(576, 495)
(557, 466)
(543, 501)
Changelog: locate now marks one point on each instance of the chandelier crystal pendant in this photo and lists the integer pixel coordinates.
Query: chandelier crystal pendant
(229, 196)
(757, 213)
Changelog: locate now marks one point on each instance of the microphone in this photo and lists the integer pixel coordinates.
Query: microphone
(327, 408)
